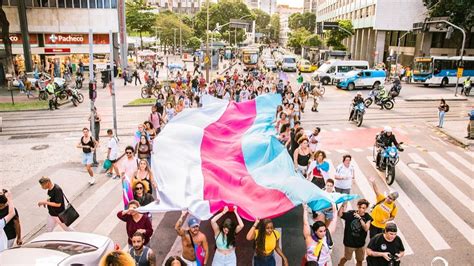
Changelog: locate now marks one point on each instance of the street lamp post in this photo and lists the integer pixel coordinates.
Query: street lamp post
(174, 48)
(180, 41)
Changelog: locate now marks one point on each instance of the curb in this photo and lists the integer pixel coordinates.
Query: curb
(460, 142)
(434, 99)
(30, 110)
(138, 105)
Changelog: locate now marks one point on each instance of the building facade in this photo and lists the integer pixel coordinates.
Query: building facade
(284, 11)
(58, 30)
(310, 6)
(268, 6)
(190, 7)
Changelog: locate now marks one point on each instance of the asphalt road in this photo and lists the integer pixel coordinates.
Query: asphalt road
(436, 207)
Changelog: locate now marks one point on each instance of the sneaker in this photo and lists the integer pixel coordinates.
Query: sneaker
(109, 174)
(91, 181)
(116, 177)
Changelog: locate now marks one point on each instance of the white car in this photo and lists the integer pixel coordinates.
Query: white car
(59, 248)
(31, 77)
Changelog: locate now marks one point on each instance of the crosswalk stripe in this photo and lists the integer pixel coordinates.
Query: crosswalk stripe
(450, 187)
(349, 129)
(341, 151)
(366, 189)
(470, 153)
(403, 131)
(437, 203)
(335, 129)
(357, 150)
(110, 221)
(425, 227)
(452, 169)
(461, 160)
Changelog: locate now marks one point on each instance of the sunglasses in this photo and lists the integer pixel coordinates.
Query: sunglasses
(129, 152)
(139, 188)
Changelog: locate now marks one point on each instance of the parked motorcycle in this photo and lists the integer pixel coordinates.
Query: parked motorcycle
(79, 81)
(381, 98)
(358, 115)
(388, 160)
(466, 90)
(76, 96)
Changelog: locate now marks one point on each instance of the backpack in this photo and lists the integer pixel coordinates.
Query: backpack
(446, 108)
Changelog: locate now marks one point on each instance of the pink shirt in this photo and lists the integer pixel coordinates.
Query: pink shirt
(129, 166)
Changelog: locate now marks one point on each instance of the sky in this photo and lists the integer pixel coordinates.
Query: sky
(293, 3)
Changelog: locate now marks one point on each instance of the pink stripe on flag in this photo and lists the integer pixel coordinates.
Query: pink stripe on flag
(226, 179)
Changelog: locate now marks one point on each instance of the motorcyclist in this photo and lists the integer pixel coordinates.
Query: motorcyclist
(396, 87)
(357, 100)
(467, 85)
(383, 140)
(53, 100)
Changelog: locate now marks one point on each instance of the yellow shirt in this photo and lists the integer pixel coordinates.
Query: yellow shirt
(270, 241)
(382, 212)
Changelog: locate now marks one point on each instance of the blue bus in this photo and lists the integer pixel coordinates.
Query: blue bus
(441, 70)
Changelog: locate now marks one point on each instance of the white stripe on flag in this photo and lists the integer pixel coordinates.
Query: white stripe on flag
(367, 190)
(426, 228)
(458, 223)
(450, 187)
(451, 168)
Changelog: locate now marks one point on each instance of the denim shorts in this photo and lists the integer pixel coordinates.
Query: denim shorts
(87, 158)
(224, 260)
(264, 260)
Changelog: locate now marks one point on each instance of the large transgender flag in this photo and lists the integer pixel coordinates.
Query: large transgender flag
(227, 154)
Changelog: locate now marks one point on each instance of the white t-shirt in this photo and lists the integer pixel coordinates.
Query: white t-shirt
(347, 173)
(113, 146)
(314, 142)
(3, 236)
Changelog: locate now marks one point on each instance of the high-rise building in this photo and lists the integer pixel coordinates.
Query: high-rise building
(378, 24)
(180, 6)
(58, 30)
(310, 6)
(268, 6)
(284, 11)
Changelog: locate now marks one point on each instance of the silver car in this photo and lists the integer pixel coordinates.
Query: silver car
(270, 65)
(59, 248)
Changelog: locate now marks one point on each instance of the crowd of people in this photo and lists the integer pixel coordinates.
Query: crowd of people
(310, 161)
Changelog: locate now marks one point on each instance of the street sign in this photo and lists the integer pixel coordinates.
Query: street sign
(330, 25)
(206, 60)
(240, 24)
(460, 70)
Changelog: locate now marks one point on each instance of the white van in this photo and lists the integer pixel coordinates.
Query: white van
(288, 63)
(335, 68)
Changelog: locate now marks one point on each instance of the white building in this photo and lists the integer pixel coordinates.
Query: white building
(58, 29)
(378, 24)
(268, 6)
(179, 6)
(284, 12)
(310, 6)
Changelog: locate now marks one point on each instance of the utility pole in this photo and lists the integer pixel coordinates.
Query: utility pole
(112, 84)
(174, 49)
(92, 89)
(207, 41)
(122, 33)
(180, 41)
(25, 36)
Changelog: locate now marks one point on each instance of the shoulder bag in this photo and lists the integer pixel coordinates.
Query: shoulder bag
(69, 215)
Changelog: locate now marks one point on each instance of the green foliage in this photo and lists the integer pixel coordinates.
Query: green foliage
(306, 20)
(334, 37)
(169, 23)
(312, 40)
(194, 43)
(460, 12)
(275, 28)
(262, 19)
(137, 17)
(297, 38)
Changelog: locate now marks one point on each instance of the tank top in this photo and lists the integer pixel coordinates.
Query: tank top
(143, 151)
(324, 255)
(303, 160)
(90, 143)
(141, 260)
(221, 243)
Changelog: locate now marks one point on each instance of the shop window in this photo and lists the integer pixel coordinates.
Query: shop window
(29, 3)
(100, 3)
(77, 3)
(4, 2)
(62, 3)
(92, 4)
(106, 3)
(69, 3)
(113, 3)
(84, 4)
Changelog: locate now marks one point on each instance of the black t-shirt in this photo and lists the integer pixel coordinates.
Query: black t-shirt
(10, 226)
(379, 244)
(56, 195)
(354, 234)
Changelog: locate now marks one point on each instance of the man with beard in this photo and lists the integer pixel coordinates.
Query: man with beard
(143, 255)
(194, 242)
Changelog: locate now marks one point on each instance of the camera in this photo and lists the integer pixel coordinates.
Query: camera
(393, 259)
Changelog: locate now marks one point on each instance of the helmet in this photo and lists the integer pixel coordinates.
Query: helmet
(359, 93)
(387, 129)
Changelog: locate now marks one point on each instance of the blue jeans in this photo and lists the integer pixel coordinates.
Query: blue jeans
(264, 260)
(441, 118)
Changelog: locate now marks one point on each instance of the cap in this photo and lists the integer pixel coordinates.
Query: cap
(390, 227)
(393, 195)
(193, 221)
(359, 93)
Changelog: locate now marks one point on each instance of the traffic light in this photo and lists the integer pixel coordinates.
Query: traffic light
(319, 27)
(92, 91)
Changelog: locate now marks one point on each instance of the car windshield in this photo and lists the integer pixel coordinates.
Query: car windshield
(305, 63)
(289, 60)
(352, 73)
(65, 247)
(422, 68)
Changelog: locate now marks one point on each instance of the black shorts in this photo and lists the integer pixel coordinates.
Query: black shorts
(113, 161)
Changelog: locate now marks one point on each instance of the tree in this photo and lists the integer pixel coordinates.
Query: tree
(297, 38)
(170, 26)
(275, 28)
(137, 17)
(459, 12)
(5, 24)
(194, 43)
(335, 36)
(306, 20)
(262, 19)
(312, 40)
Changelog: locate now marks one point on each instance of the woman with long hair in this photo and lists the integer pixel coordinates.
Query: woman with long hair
(318, 238)
(302, 155)
(318, 171)
(143, 149)
(224, 235)
(266, 243)
(175, 261)
(145, 176)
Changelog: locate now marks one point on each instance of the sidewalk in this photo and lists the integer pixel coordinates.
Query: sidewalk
(436, 97)
(457, 130)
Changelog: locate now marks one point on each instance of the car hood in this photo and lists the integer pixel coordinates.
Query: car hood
(31, 256)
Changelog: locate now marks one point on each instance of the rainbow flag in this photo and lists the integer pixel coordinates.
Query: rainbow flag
(127, 191)
(227, 153)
